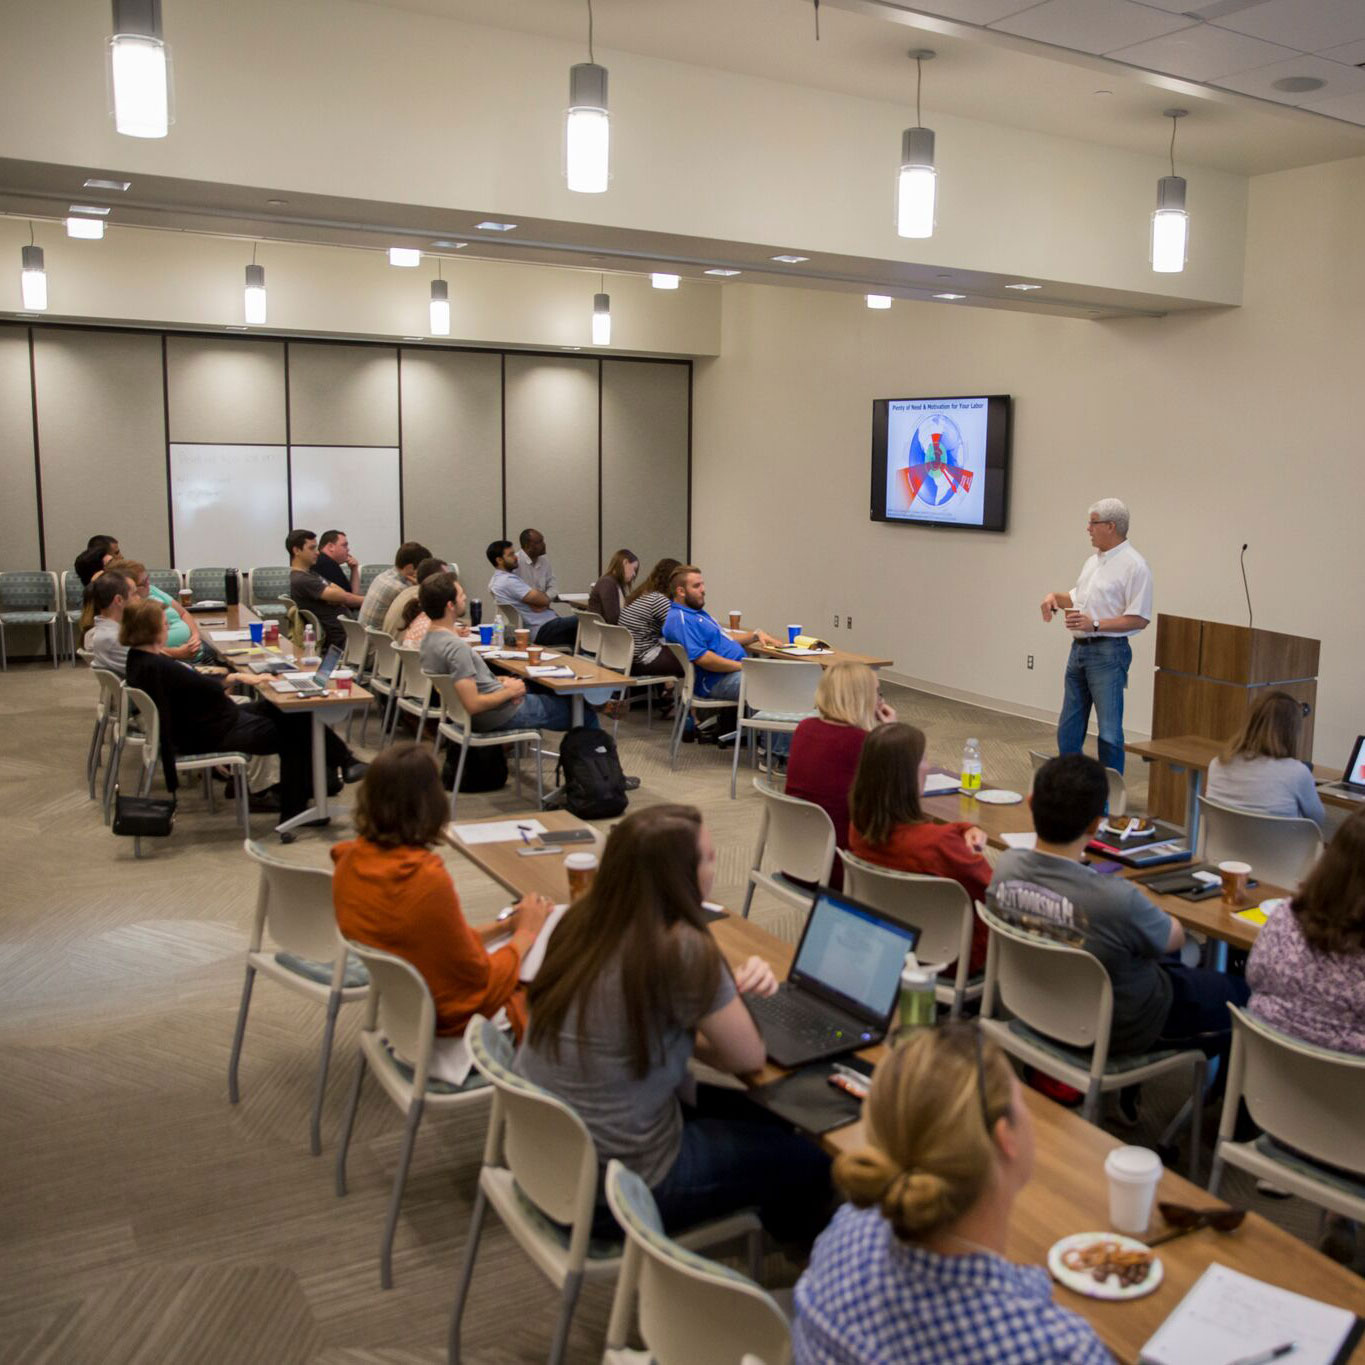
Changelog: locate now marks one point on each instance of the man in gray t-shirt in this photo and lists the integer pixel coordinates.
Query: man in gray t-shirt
(445, 652)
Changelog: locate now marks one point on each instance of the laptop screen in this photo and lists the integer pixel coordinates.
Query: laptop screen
(854, 954)
(329, 662)
(1355, 767)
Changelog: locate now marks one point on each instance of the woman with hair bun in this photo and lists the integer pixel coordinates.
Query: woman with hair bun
(913, 1268)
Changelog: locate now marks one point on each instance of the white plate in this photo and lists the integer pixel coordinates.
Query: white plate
(1082, 1282)
(997, 796)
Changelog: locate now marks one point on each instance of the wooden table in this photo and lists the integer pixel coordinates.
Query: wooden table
(835, 656)
(1069, 1193)
(542, 875)
(589, 676)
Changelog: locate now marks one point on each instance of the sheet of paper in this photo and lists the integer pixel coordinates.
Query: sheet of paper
(530, 964)
(496, 832)
(550, 671)
(231, 634)
(940, 784)
(1228, 1316)
(1026, 839)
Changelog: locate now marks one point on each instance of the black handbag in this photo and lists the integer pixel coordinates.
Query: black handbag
(139, 816)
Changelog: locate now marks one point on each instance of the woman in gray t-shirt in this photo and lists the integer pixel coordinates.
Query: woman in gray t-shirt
(632, 986)
(1259, 770)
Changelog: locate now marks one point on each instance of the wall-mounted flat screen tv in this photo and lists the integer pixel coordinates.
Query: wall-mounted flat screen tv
(941, 461)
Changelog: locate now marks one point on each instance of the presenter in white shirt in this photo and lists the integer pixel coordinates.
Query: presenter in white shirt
(1112, 600)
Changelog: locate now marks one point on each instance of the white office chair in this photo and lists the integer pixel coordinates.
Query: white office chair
(690, 1309)
(616, 650)
(780, 693)
(689, 703)
(383, 680)
(1118, 789)
(1307, 1101)
(71, 596)
(400, 1020)
(511, 620)
(455, 725)
(938, 907)
(356, 655)
(106, 722)
(1062, 1003)
(540, 1174)
(795, 845)
(1280, 848)
(412, 693)
(589, 634)
(294, 906)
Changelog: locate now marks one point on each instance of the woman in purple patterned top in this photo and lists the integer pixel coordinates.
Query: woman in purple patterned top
(1307, 967)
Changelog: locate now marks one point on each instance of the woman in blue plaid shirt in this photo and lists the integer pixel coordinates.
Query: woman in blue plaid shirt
(913, 1269)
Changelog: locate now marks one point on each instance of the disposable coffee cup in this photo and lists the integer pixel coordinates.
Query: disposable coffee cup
(257, 629)
(342, 677)
(1234, 875)
(1134, 1173)
(485, 635)
(187, 595)
(582, 868)
(735, 619)
(522, 637)
(532, 654)
(272, 632)
(792, 633)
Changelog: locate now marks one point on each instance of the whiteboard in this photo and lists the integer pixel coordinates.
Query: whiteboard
(352, 489)
(229, 505)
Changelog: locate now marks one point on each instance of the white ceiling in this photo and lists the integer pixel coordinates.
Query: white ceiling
(1097, 70)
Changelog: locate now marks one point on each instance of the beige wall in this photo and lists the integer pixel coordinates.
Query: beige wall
(19, 501)
(1220, 428)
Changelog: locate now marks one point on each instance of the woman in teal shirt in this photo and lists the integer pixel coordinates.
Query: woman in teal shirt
(182, 636)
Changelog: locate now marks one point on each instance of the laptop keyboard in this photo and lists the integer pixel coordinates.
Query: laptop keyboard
(800, 1020)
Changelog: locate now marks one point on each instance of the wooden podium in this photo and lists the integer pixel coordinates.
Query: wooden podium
(1209, 677)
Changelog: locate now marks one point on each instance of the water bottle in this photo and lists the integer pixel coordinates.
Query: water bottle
(310, 641)
(971, 766)
(917, 1007)
(475, 612)
(497, 633)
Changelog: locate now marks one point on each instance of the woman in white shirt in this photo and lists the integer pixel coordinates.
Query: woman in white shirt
(1258, 771)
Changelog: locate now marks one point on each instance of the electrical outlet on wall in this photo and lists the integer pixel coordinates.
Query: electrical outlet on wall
(848, 621)
(836, 620)
(1030, 660)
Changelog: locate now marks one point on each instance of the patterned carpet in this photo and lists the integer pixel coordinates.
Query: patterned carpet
(143, 1218)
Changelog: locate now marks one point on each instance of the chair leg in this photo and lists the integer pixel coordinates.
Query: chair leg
(748, 898)
(111, 777)
(328, 1033)
(540, 777)
(734, 762)
(352, 1105)
(1216, 1174)
(516, 759)
(573, 1282)
(239, 1033)
(52, 643)
(1090, 1110)
(243, 803)
(754, 1247)
(92, 762)
(400, 1179)
(471, 1252)
(459, 777)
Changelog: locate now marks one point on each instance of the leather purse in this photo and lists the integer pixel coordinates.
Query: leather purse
(139, 816)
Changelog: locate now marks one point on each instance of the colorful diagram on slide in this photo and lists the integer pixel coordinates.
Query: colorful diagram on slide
(935, 471)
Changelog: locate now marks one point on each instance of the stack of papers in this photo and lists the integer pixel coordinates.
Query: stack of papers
(231, 634)
(495, 831)
(941, 784)
(549, 670)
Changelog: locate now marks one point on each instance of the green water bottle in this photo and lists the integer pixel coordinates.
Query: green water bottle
(918, 1007)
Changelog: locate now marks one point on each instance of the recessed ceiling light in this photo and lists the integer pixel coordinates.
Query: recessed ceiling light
(406, 256)
(488, 225)
(446, 244)
(276, 203)
(89, 208)
(663, 280)
(118, 185)
(724, 274)
(879, 300)
(1023, 288)
(950, 296)
(791, 260)
(90, 229)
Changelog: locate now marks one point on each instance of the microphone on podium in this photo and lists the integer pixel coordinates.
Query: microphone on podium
(1245, 588)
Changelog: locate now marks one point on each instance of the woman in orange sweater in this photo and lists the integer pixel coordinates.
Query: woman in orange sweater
(889, 828)
(392, 892)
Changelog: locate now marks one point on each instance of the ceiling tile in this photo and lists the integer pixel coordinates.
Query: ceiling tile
(1202, 53)
(1348, 107)
(976, 11)
(1091, 25)
(1353, 54)
(1309, 25)
(1340, 80)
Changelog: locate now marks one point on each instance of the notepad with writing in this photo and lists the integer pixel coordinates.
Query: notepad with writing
(1230, 1316)
(940, 784)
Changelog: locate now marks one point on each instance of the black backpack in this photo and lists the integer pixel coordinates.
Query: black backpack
(594, 785)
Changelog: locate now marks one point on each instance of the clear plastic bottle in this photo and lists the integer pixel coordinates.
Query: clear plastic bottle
(310, 641)
(917, 1007)
(971, 766)
(497, 633)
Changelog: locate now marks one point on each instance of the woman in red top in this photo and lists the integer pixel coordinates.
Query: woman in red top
(391, 891)
(825, 748)
(890, 829)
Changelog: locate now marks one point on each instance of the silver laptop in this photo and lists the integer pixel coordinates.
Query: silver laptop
(1352, 786)
(318, 686)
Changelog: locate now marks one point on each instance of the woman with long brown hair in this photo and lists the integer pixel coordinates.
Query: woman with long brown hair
(632, 986)
(608, 594)
(1259, 771)
(643, 615)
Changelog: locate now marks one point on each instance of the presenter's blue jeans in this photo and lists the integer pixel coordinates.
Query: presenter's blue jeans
(1096, 674)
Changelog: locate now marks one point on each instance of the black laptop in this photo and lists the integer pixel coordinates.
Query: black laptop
(843, 986)
(1352, 786)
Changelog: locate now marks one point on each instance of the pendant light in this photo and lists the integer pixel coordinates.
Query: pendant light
(601, 317)
(253, 300)
(440, 304)
(587, 127)
(916, 181)
(139, 68)
(1170, 222)
(32, 277)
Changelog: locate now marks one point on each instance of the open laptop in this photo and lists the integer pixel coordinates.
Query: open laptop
(1352, 786)
(843, 985)
(318, 686)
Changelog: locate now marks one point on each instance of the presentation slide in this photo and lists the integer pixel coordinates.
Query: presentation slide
(936, 460)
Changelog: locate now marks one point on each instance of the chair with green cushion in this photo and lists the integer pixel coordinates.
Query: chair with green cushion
(207, 585)
(72, 598)
(689, 1308)
(29, 598)
(368, 573)
(540, 1173)
(168, 580)
(269, 583)
(1062, 1003)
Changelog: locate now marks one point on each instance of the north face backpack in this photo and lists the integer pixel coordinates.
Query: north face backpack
(594, 785)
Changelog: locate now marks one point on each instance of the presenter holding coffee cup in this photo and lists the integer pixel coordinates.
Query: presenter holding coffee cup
(1111, 602)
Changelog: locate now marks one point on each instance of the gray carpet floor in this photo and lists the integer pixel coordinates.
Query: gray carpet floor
(142, 1217)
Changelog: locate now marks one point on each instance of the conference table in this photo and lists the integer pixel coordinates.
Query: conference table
(1068, 1192)
(822, 657)
(588, 675)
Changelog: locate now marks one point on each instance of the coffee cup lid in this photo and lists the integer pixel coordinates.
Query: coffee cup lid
(581, 862)
(1132, 1163)
(1237, 869)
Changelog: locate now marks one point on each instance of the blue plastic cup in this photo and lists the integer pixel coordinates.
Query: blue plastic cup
(485, 635)
(257, 629)
(792, 633)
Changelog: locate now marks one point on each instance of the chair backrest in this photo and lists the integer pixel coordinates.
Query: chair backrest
(111, 685)
(135, 704)
(689, 672)
(938, 907)
(168, 580)
(1057, 990)
(72, 590)
(400, 1006)
(268, 583)
(294, 904)
(452, 708)
(511, 617)
(1280, 848)
(1304, 1096)
(413, 684)
(385, 656)
(795, 837)
(1118, 788)
(779, 685)
(369, 572)
(690, 1309)
(589, 633)
(357, 652)
(540, 1139)
(210, 583)
(28, 590)
(615, 645)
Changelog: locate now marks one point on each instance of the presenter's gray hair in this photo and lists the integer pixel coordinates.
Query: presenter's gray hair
(1112, 509)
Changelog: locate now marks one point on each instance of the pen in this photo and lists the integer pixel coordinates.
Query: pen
(525, 832)
(1265, 1356)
